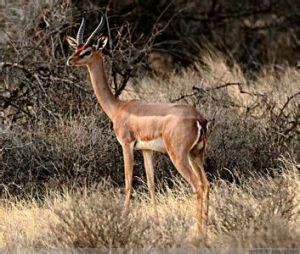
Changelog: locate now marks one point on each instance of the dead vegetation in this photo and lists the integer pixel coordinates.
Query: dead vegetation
(251, 161)
(249, 132)
(56, 147)
(260, 212)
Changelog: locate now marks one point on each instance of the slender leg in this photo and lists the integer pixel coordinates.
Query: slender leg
(199, 161)
(128, 165)
(182, 164)
(148, 161)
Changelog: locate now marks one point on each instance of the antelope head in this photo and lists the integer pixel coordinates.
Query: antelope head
(84, 52)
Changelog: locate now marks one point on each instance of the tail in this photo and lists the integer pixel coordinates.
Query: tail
(200, 142)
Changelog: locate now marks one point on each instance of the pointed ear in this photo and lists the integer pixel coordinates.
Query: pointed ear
(72, 42)
(101, 42)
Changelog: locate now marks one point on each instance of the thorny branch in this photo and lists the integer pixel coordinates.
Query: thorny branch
(285, 124)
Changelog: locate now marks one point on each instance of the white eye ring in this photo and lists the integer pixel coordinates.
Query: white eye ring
(86, 52)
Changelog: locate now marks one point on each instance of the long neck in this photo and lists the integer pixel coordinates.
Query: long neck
(103, 93)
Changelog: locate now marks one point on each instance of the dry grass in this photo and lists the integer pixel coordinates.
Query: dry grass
(259, 212)
(52, 168)
(52, 173)
(255, 116)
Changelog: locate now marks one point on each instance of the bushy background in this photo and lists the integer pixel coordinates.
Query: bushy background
(235, 62)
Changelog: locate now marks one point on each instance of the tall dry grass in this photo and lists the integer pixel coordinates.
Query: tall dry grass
(260, 212)
(253, 123)
(54, 195)
(53, 169)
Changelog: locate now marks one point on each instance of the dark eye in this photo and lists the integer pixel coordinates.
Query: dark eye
(85, 53)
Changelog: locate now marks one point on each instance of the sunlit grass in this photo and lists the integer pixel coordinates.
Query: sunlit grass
(258, 212)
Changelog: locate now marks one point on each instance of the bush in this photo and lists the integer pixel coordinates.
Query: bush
(259, 212)
(251, 127)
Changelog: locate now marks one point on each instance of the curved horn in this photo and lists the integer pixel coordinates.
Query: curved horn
(98, 28)
(79, 37)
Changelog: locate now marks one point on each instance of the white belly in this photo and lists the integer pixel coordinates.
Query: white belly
(154, 145)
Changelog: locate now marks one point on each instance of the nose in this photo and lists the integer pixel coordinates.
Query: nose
(69, 62)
